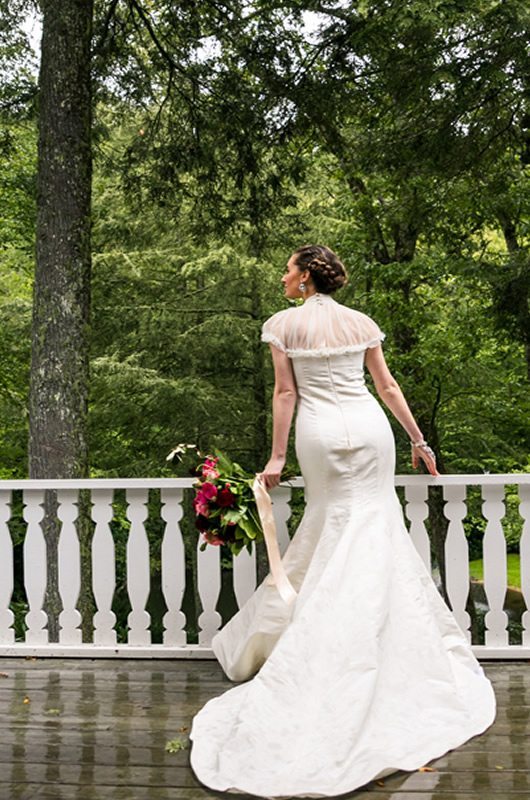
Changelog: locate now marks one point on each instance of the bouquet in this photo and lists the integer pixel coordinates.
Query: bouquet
(224, 503)
(227, 511)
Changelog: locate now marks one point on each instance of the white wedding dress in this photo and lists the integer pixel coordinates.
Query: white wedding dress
(367, 672)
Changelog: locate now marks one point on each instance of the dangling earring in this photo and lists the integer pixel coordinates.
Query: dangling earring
(301, 286)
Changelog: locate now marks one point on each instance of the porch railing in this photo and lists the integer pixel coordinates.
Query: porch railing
(482, 497)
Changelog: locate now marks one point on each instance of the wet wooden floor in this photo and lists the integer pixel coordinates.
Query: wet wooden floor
(98, 729)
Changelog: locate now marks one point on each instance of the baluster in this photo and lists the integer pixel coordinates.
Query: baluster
(103, 567)
(457, 555)
(173, 567)
(244, 575)
(282, 511)
(208, 586)
(417, 510)
(69, 567)
(7, 634)
(138, 568)
(524, 557)
(495, 568)
(35, 567)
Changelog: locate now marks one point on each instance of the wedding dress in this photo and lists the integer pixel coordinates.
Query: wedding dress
(367, 672)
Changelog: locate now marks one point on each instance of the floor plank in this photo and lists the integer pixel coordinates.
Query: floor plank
(97, 729)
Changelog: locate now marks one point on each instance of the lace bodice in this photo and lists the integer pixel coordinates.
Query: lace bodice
(321, 327)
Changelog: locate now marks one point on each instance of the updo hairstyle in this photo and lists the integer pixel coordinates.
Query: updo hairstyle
(325, 268)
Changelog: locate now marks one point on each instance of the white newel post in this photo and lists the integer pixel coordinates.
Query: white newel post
(524, 555)
(173, 567)
(457, 555)
(69, 565)
(35, 567)
(7, 633)
(208, 586)
(417, 511)
(138, 578)
(495, 566)
(103, 567)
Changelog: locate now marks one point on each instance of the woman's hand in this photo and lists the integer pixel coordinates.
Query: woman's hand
(271, 475)
(425, 454)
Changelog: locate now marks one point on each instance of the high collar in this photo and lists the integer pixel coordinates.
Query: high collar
(319, 298)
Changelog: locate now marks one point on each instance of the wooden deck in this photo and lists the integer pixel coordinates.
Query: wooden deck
(97, 729)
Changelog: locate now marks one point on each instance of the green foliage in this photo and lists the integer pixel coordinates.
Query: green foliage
(17, 61)
(176, 745)
(17, 212)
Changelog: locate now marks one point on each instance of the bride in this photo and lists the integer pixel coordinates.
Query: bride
(366, 672)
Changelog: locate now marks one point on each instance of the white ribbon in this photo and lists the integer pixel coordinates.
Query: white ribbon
(264, 505)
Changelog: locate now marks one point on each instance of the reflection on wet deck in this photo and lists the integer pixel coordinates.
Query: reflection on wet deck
(97, 729)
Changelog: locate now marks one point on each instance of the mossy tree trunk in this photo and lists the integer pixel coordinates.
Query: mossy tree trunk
(59, 357)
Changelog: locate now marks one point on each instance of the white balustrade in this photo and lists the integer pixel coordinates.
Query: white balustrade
(524, 558)
(457, 555)
(244, 575)
(417, 511)
(495, 565)
(208, 577)
(35, 567)
(69, 563)
(7, 633)
(173, 567)
(103, 567)
(209, 586)
(138, 571)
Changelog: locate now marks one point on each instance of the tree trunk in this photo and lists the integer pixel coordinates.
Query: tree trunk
(59, 355)
(509, 230)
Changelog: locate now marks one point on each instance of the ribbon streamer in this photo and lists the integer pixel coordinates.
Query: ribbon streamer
(264, 505)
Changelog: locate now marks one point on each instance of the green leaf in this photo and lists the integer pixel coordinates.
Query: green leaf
(176, 745)
(249, 527)
(234, 515)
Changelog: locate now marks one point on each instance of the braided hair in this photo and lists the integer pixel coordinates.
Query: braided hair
(325, 268)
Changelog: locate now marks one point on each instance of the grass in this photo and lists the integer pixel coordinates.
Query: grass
(476, 570)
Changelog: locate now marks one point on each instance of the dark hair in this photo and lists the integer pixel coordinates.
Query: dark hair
(325, 268)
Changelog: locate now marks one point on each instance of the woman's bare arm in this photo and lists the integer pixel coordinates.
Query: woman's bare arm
(283, 404)
(390, 393)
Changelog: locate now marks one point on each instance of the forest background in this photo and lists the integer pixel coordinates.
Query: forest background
(222, 136)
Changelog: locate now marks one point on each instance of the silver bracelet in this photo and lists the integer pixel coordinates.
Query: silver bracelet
(424, 446)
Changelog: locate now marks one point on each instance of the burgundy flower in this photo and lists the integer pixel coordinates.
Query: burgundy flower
(225, 498)
(203, 523)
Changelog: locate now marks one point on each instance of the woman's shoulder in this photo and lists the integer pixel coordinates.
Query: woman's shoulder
(321, 326)
(279, 315)
(274, 329)
(355, 314)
